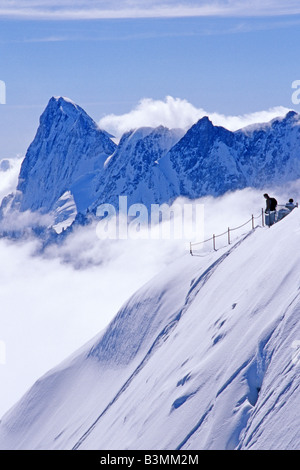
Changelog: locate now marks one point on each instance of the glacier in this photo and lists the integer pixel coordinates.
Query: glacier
(203, 356)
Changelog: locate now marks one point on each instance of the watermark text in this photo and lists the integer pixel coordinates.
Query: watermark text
(180, 221)
(296, 93)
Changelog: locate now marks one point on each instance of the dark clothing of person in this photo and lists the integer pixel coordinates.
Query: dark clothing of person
(271, 204)
(270, 211)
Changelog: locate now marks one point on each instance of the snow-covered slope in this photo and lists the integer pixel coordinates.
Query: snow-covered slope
(202, 357)
(64, 212)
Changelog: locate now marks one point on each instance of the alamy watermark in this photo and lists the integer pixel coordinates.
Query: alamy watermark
(296, 352)
(2, 92)
(159, 221)
(296, 93)
(2, 352)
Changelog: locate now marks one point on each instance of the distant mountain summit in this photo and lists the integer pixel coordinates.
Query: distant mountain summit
(270, 153)
(68, 146)
(211, 160)
(205, 161)
(134, 169)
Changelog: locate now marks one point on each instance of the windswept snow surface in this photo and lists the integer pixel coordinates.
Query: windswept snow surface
(202, 357)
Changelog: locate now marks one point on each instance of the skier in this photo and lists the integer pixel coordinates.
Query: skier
(270, 211)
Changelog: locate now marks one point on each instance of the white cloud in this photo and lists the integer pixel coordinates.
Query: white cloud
(52, 304)
(173, 112)
(179, 113)
(237, 122)
(24, 221)
(78, 9)
(9, 172)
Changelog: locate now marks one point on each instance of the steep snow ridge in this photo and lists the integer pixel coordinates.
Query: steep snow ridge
(95, 381)
(64, 211)
(133, 170)
(200, 358)
(68, 145)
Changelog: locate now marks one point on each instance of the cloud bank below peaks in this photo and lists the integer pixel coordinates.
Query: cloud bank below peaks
(9, 171)
(179, 113)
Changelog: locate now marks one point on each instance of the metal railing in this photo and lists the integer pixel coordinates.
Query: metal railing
(229, 230)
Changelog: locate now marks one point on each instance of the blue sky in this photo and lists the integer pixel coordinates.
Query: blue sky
(226, 57)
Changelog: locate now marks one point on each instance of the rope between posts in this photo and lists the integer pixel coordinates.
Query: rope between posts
(240, 226)
(261, 215)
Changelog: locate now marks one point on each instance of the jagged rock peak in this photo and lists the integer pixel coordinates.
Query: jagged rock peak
(68, 145)
(291, 114)
(61, 107)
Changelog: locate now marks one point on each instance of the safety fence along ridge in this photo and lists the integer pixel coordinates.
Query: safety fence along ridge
(227, 232)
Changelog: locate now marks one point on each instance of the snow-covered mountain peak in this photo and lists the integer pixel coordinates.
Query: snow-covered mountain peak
(133, 170)
(204, 123)
(287, 121)
(290, 119)
(61, 108)
(63, 99)
(291, 114)
(150, 135)
(203, 133)
(59, 103)
(68, 145)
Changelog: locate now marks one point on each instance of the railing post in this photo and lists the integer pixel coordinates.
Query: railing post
(263, 223)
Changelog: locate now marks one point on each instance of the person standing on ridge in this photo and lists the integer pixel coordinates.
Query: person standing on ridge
(290, 205)
(270, 211)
